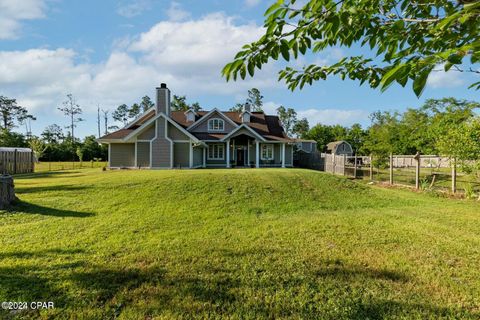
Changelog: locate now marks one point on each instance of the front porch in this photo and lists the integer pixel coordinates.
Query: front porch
(246, 151)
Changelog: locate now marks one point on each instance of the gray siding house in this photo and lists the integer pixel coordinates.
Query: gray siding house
(164, 139)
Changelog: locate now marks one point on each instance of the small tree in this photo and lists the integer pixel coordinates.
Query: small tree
(255, 99)
(72, 110)
(79, 152)
(38, 147)
(288, 118)
(462, 145)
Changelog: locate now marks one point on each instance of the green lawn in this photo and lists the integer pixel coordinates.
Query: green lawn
(238, 244)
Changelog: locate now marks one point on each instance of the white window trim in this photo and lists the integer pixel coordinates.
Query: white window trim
(268, 146)
(219, 145)
(215, 130)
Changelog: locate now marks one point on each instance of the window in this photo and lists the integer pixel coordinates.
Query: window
(267, 152)
(215, 124)
(216, 152)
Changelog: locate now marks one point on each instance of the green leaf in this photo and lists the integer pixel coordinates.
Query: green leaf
(284, 49)
(455, 58)
(391, 76)
(420, 81)
(448, 65)
(272, 8)
(251, 68)
(243, 72)
(476, 84)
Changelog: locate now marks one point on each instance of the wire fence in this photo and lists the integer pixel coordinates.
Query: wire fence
(67, 165)
(424, 172)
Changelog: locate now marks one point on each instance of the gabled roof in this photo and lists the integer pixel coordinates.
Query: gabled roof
(243, 126)
(136, 128)
(205, 117)
(268, 126)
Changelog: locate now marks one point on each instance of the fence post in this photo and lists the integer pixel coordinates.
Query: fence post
(417, 171)
(355, 167)
(391, 169)
(32, 162)
(15, 161)
(344, 164)
(371, 167)
(454, 175)
(333, 163)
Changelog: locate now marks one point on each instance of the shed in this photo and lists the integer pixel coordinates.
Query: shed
(340, 148)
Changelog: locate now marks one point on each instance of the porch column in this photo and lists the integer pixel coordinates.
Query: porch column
(257, 154)
(204, 165)
(190, 158)
(283, 155)
(228, 153)
(248, 152)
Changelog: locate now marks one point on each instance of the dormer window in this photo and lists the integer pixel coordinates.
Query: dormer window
(216, 124)
(190, 115)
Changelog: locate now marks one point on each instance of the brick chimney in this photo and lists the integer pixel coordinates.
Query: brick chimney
(163, 99)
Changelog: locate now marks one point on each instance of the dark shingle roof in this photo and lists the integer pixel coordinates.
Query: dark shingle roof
(120, 134)
(266, 125)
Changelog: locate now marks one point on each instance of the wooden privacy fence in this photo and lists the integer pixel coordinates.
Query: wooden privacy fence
(16, 160)
(336, 164)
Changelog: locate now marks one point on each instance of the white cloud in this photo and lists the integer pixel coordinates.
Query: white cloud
(442, 79)
(252, 3)
(324, 116)
(133, 8)
(176, 13)
(193, 52)
(13, 12)
(334, 116)
(188, 56)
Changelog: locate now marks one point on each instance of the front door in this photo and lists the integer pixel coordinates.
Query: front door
(240, 157)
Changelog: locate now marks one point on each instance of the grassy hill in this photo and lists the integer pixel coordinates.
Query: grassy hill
(267, 243)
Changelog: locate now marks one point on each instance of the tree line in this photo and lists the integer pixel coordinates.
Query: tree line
(448, 127)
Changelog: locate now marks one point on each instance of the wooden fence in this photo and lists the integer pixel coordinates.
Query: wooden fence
(13, 161)
(336, 164)
(421, 171)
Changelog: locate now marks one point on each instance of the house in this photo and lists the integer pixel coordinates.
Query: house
(340, 148)
(161, 138)
(304, 145)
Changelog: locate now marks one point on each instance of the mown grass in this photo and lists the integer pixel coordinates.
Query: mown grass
(238, 244)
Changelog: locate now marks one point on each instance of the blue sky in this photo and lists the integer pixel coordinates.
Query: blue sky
(113, 52)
